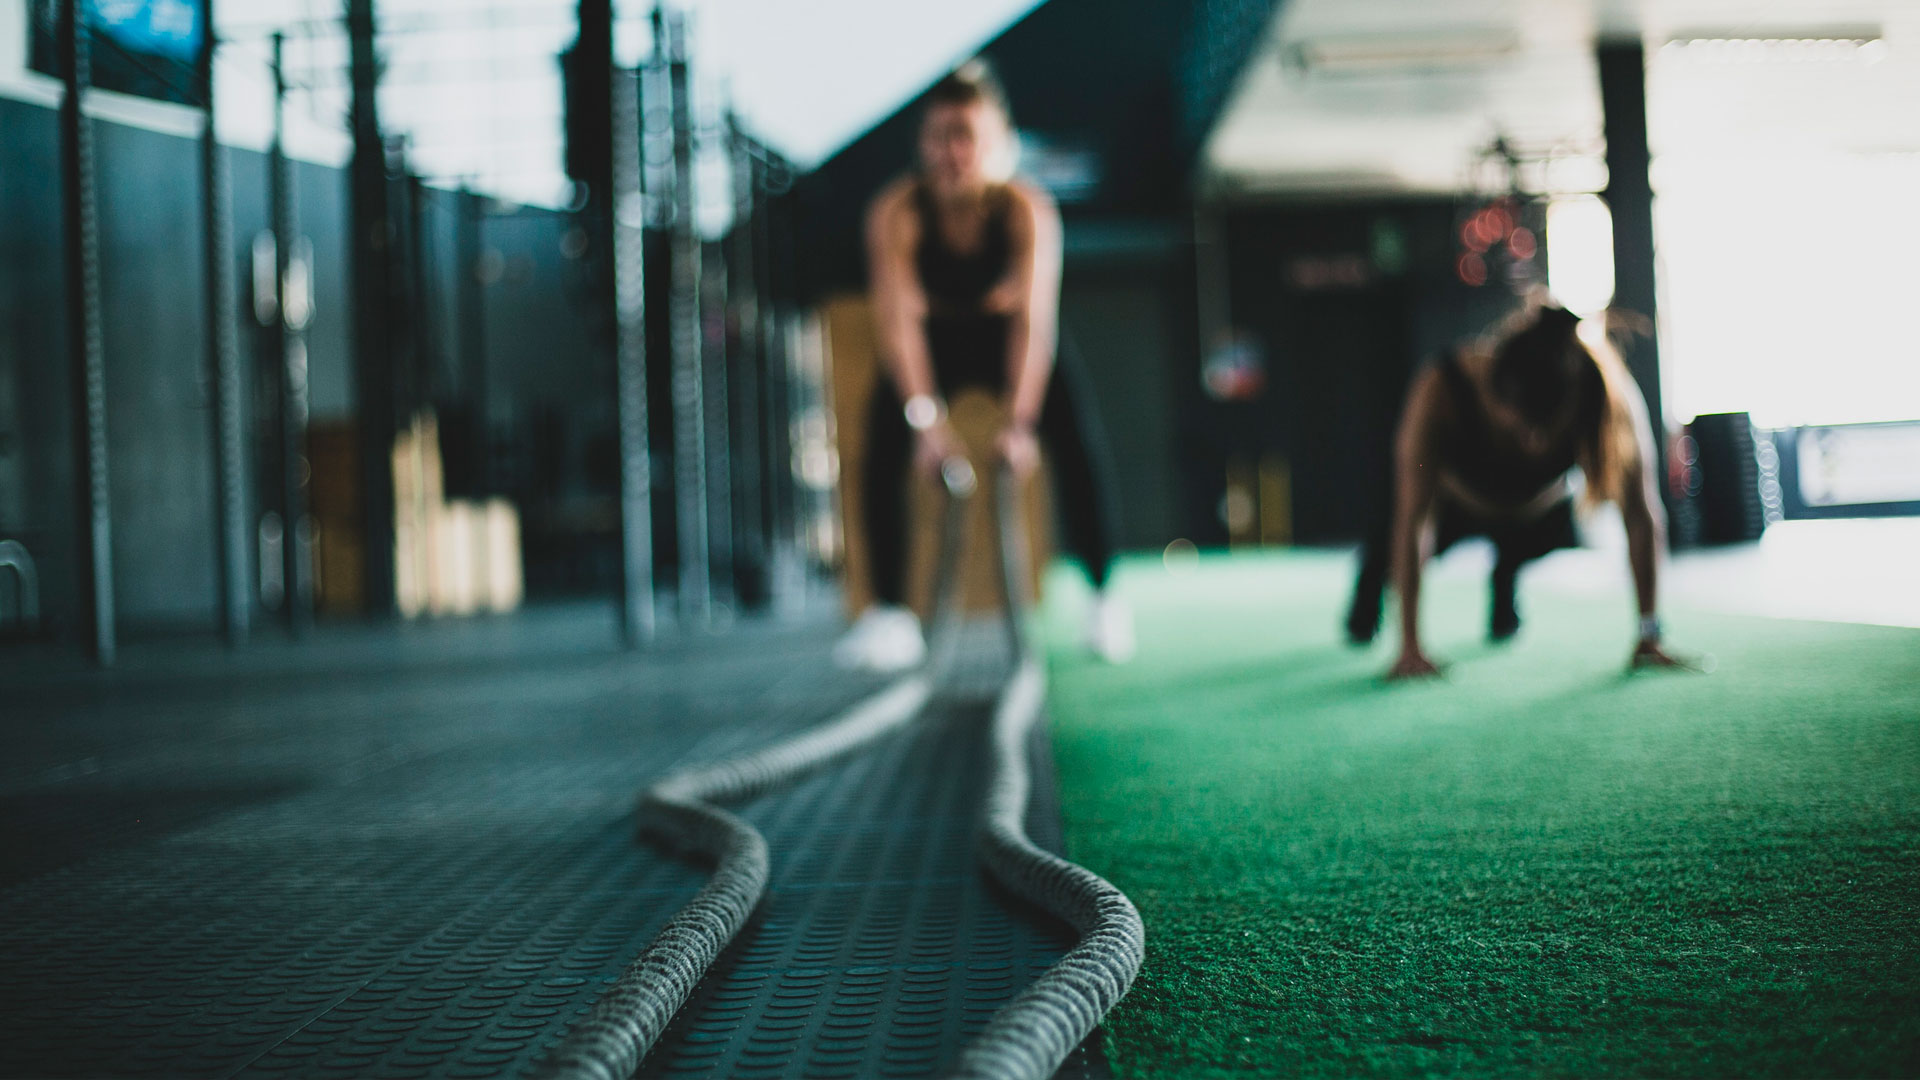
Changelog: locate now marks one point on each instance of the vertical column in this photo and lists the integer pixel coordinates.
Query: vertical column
(716, 397)
(605, 122)
(290, 350)
(472, 300)
(372, 237)
(223, 359)
(1629, 194)
(684, 332)
(86, 356)
(746, 363)
(783, 547)
(629, 221)
(785, 391)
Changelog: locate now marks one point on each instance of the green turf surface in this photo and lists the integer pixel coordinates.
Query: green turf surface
(1536, 867)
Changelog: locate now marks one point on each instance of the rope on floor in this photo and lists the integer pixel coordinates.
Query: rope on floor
(609, 1043)
(1033, 1034)
(683, 810)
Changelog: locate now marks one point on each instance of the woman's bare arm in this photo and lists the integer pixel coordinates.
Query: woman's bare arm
(1646, 525)
(1646, 533)
(899, 303)
(1034, 285)
(1415, 485)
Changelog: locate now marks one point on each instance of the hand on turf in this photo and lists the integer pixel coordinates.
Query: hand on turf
(1413, 664)
(1650, 654)
(932, 447)
(1019, 449)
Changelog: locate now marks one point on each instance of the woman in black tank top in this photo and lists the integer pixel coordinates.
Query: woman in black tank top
(1485, 445)
(965, 279)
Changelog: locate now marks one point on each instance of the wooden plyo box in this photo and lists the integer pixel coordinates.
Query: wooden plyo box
(450, 557)
(853, 361)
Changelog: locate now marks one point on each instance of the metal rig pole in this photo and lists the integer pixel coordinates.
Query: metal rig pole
(372, 239)
(630, 364)
(290, 350)
(472, 300)
(85, 351)
(748, 361)
(615, 216)
(683, 314)
(223, 360)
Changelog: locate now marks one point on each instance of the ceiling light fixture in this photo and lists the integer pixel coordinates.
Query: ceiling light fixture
(1400, 53)
(1831, 44)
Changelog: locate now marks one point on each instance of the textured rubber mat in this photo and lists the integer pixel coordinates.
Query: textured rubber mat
(392, 863)
(880, 948)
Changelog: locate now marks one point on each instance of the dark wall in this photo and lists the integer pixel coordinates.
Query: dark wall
(1126, 305)
(545, 379)
(33, 350)
(159, 409)
(158, 422)
(1338, 353)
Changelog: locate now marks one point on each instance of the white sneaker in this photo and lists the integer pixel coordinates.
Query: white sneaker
(885, 638)
(1110, 629)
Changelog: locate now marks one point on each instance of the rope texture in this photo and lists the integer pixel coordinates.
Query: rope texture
(609, 1043)
(1030, 1037)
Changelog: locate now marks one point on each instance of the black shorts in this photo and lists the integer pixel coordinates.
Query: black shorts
(1517, 539)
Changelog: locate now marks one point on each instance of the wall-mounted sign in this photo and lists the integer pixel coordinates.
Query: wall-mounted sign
(1070, 173)
(143, 47)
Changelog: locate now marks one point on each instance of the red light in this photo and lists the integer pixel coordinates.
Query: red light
(1472, 269)
(1471, 236)
(1520, 241)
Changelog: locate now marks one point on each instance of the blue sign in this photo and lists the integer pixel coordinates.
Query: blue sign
(169, 28)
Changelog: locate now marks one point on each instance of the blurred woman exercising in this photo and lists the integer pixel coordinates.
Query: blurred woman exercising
(964, 264)
(1485, 445)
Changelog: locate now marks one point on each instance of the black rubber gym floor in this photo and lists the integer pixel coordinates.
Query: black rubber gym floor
(409, 852)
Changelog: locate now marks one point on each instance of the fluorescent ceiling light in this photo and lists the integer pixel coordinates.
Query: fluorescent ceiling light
(1826, 43)
(1401, 53)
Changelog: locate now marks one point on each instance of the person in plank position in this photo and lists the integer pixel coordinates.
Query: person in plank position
(1487, 441)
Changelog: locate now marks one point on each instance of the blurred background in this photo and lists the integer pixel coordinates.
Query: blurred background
(317, 310)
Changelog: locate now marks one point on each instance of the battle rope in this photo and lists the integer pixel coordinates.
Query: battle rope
(1035, 1032)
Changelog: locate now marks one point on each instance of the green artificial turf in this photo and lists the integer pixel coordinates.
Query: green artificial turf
(1536, 867)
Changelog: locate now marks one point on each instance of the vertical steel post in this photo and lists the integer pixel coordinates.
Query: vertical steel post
(472, 301)
(716, 397)
(372, 238)
(746, 360)
(777, 410)
(423, 344)
(628, 220)
(85, 349)
(684, 331)
(290, 351)
(223, 359)
(611, 163)
(1623, 101)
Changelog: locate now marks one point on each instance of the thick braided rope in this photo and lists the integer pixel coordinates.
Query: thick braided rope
(609, 1043)
(624, 1024)
(1034, 1033)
